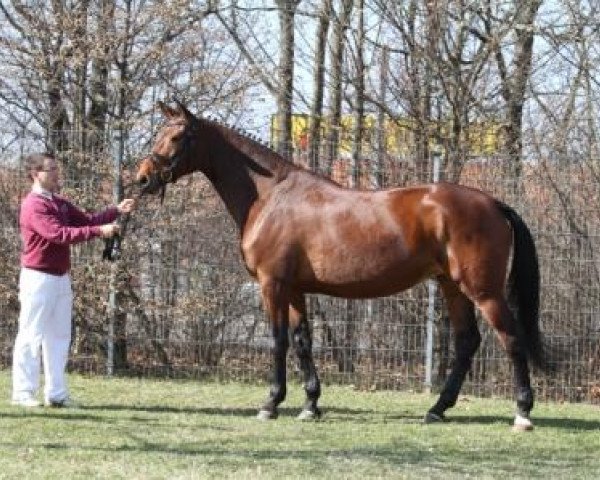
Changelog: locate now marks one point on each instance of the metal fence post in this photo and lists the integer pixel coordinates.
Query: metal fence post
(110, 341)
(431, 294)
(112, 295)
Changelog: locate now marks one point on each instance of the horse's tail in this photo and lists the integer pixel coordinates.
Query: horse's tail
(524, 288)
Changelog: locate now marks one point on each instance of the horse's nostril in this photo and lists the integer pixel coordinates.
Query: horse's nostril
(144, 181)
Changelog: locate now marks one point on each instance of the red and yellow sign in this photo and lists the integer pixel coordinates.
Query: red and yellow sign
(482, 138)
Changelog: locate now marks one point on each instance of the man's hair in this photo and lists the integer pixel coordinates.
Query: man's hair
(35, 162)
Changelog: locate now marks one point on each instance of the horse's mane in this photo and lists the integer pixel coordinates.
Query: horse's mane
(214, 121)
(260, 155)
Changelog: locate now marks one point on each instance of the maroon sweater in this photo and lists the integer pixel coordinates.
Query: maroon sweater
(50, 226)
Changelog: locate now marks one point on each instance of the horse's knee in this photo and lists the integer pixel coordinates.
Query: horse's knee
(302, 341)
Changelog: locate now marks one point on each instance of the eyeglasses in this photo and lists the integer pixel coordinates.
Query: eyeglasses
(51, 169)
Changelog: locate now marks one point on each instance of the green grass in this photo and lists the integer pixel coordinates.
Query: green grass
(149, 429)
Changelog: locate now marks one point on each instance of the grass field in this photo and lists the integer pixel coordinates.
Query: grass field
(154, 429)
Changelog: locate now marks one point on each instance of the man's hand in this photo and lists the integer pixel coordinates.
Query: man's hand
(109, 230)
(126, 206)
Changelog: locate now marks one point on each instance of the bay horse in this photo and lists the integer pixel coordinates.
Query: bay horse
(303, 233)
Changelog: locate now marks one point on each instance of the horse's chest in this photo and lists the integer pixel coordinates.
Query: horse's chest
(264, 243)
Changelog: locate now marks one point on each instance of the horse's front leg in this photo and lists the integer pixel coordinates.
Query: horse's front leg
(303, 344)
(276, 303)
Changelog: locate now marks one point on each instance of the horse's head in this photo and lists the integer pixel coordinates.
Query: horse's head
(173, 151)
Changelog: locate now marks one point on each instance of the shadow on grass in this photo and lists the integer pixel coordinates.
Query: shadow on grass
(353, 414)
(568, 423)
(342, 414)
(543, 422)
(72, 414)
(235, 412)
(229, 453)
(330, 414)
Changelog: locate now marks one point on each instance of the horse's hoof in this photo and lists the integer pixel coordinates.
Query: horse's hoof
(266, 415)
(309, 415)
(431, 417)
(522, 424)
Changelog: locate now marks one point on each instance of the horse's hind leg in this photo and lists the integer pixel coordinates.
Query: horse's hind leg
(496, 312)
(467, 339)
(303, 345)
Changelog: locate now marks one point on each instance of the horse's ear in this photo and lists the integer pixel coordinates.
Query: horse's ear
(184, 111)
(166, 110)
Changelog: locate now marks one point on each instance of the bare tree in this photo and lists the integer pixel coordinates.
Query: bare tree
(359, 98)
(377, 168)
(287, 11)
(338, 46)
(514, 70)
(459, 62)
(316, 110)
(415, 32)
(99, 80)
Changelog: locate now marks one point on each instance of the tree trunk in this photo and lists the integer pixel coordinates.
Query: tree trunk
(514, 82)
(80, 60)
(99, 78)
(285, 93)
(316, 110)
(378, 165)
(359, 106)
(335, 91)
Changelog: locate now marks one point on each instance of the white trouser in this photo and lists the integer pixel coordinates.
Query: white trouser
(44, 323)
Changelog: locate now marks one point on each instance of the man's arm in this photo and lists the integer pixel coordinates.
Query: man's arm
(46, 223)
(81, 218)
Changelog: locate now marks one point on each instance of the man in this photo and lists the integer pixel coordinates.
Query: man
(49, 225)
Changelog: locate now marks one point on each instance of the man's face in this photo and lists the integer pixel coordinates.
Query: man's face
(48, 176)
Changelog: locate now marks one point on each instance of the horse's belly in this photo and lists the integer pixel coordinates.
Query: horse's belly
(365, 277)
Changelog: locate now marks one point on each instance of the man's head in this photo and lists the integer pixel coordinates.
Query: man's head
(44, 171)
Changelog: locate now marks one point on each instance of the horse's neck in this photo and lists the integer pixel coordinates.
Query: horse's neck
(238, 184)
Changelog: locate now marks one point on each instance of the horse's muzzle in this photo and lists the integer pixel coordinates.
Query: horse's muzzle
(148, 183)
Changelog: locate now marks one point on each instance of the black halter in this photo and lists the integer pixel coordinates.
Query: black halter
(165, 175)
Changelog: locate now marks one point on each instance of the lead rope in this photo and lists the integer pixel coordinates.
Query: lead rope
(112, 246)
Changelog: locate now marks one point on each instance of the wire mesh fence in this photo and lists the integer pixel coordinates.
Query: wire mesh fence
(182, 303)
